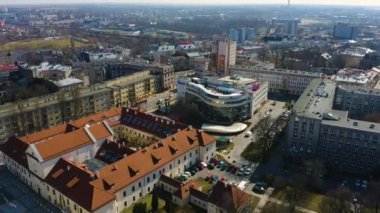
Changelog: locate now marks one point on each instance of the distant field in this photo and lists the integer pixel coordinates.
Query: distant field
(39, 44)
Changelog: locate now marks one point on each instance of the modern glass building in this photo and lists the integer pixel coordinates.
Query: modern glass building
(225, 100)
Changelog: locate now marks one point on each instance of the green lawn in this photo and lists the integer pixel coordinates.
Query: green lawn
(39, 44)
(308, 200)
(276, 208)
(206, 186)
(148, 200)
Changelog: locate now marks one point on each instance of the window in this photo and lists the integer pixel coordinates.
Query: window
(53, 192)
(191, 154)
(154, 176)
(148, 179)
(125, 203)
(124, 194)
(134, 198)
(48, 188)
(140, 194)
(80, 210)
(133, 188)
(179, 161)
(68, 202)
(148, 189)
(170, 166)
(75, 206)
(184, 158)
(140, 185)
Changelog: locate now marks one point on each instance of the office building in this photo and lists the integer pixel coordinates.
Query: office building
(242, 35)
(358, 101)
(250, 34)
(79, 167)
(286, 26)
(39, 113)
(234, 34)
(318, 128)
(280, 80)
(223, 54)
(345, 31)
(225, 100)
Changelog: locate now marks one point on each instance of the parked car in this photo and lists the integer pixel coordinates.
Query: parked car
(248, 134)
(258, 189)
(187, 174)
(208, 177)
(210, 166)
(183, 177)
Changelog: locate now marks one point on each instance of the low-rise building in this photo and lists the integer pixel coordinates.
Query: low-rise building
(225, 100)
(68, 83)
(6, 72)
(223, 197)
(78, 167)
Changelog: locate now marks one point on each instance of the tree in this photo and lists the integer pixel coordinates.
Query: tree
(292, 197)
(154, 201)
(263, 133)
(139, 208)
(372, 197)
(339, 201)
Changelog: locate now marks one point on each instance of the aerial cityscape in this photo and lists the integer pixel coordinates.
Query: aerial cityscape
(194, 106)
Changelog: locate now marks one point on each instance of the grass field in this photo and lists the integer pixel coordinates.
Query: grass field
(39, 44)
(148, 200)
(309, 200)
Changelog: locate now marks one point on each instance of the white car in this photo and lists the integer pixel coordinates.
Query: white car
(188, 174)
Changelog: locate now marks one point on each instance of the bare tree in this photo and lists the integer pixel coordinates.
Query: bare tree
(263, 133)
(372, 197)
(339, 201)
(292, 197)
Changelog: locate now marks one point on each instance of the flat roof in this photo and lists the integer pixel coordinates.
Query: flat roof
(317, 99)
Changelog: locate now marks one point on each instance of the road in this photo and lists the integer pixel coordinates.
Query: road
(152, 100)
(241, 142)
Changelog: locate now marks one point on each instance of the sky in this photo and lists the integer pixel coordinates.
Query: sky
(197, 2)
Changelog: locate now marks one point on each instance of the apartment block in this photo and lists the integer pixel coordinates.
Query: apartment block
(80, 168)
(39, 113)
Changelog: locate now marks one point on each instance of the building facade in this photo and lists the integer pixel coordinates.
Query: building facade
(50, 110)
(223, 54)
(225, 100)
(284, 81)
(317, 129)
(78, 167)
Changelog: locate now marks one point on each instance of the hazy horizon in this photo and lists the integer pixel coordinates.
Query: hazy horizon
(197, 2)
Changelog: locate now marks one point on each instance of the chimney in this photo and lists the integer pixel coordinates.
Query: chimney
(92, 176)
(127, 110)
(118, 145)
(68, 167)
(173, 122)
(125, 155)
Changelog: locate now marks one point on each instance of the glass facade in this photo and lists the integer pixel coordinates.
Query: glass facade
(220, 114)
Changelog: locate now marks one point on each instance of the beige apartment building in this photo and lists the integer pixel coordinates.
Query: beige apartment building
(40, 113)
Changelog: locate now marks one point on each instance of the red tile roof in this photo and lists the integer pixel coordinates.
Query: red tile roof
(228, 197)
(75, 183)
(63, 143)
(141, 163)
(184, 190)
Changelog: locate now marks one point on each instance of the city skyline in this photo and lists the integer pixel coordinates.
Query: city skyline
(210, 2)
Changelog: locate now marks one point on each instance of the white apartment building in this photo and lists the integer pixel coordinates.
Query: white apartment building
(288, 81)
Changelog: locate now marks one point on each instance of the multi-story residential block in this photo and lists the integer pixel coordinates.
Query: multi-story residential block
(225, 100)
(166, 72)
(46, 70)
(223, 54)
(317, 129)
(78, 167)
(43, 112)
(286, 81)
(286, 26)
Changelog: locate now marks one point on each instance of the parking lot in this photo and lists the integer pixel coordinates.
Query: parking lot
(17, 197)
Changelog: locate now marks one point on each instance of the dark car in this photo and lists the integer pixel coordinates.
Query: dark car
(229, 169)
(210, 166)
(258, 189)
